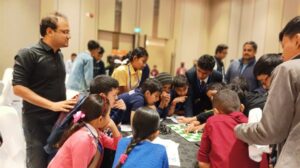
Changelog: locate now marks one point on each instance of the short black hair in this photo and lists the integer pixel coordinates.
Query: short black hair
(206, 62)
(240, 82)
(50, 21)
(252, 43)
(92, 44)
(226, 101)
(180, 81)
(73, 54)
(103, 84)
(137, 52)
(216, 86)
(266, 64)
(151, 85)
(102, 51)
(240, 86)
(220, 48)
(291, 28)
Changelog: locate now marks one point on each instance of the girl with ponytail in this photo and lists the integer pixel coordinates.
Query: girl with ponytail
(129, 75)
(138, 151)
(82, 146)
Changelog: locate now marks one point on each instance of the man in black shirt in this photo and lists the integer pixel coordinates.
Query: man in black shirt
(99, 66)
(220, 54)
(38, 77)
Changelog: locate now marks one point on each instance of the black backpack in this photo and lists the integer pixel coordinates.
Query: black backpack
(62, 124)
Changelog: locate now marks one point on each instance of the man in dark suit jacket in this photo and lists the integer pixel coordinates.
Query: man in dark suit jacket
(199, 77)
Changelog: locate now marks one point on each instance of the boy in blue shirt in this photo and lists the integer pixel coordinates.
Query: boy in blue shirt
(178, 95)
(147, 95)
(162, 105)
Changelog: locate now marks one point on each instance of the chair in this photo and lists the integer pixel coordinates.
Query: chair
(12, 151)
(7, 96)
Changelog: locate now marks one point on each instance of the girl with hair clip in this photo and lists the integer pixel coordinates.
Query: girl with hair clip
(129, 75)
(83, 144)
(138, 151)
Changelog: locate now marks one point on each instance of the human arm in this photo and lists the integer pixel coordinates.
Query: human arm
(202, 117)
(203, 165)
(121, 76)
(180, 99)
(109, 142)
(88, 69)
(278, 113)
(119, 104)
(23, 69)
(164, 100)
(33, 98)
(195, 127)
(187, 120)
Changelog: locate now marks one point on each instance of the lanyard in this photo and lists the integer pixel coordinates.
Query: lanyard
(99, 146)
(129, 74)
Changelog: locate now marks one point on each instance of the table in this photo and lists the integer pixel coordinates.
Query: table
(187, 150)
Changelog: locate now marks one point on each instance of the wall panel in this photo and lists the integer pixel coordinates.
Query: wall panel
(129, 11)
(107, 15)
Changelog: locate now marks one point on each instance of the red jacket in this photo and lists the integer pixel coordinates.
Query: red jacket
(219, 145)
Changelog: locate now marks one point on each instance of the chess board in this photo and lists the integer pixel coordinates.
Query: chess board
(179, 129)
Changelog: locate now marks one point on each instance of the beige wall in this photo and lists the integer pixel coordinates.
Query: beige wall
(19, 28)
(257, 20)
(194, 27)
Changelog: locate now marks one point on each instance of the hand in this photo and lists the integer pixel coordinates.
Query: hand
(194, 128)
(203, 165)
(181, 119)
(179, 99)
(114, 129)
(120, 104)
(111, 124)
(165, 100)
(63, 106)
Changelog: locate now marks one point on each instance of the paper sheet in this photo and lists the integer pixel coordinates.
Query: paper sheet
(125, 128)
(173, 118)
(172, 150)
(256, 151)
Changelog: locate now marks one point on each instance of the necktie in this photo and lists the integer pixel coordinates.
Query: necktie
(202, 84)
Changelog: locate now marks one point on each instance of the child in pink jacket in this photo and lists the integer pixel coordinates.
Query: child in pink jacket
(83, 144)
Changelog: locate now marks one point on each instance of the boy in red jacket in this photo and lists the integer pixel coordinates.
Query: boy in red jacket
(219, 148)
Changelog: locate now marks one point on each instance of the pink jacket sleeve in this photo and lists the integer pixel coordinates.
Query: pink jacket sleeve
(205, 145)
(108, 142)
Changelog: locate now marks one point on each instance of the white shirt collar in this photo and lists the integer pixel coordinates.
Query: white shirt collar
(205, 80)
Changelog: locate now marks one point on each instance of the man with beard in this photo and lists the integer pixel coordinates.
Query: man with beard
(244, 66)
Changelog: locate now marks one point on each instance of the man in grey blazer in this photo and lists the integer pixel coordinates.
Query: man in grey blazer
(280, 123)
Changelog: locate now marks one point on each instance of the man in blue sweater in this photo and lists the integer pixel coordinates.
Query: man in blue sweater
(244, 66)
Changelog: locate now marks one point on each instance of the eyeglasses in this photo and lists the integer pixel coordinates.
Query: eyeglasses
(66, 32)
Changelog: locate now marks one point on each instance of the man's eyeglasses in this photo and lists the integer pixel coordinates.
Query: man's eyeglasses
(66, 32)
